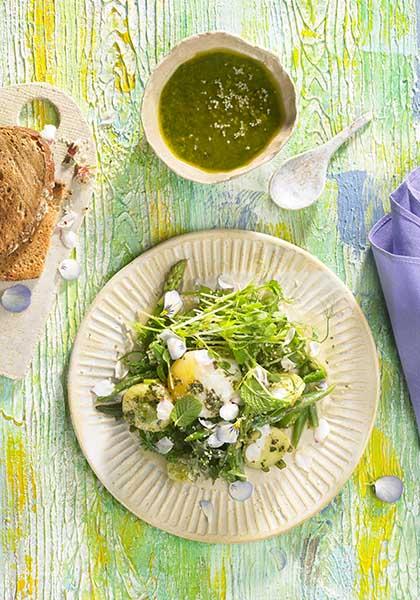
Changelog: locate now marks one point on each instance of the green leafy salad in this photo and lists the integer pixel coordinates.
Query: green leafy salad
(218, 379)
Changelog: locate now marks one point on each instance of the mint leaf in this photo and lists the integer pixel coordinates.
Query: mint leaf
(185, 411)
(257, 398)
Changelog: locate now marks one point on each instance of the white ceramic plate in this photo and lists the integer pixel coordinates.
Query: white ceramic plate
(281, 499)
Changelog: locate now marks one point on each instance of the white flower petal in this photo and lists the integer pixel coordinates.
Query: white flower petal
(241, 490)
(261, 375)
(49, 132)
(164, 409)
(229, 411)
(314, 348)
(388, 488)
(203, 357)
(207, 508)
(68, 238)
(213, 441)
(176, 347)
(227, 433)
(279, 393)
(289, 336)
(322, 431)
(253, 452)
(67, 220)
(225, 283)
(303, 461)
(207, 424)
(69, 269)
(16, 298)
(164, 445)
(280, 558)
(264, 430)
(103, 388)
(287, 364)
(120, 370)
(166, 334)
(172, 303)
(106, 120)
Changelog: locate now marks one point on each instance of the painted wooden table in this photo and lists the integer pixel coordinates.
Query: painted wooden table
(62, 535)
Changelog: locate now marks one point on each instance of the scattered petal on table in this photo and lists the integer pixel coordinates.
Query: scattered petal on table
(241, 490)
(69, 269)
(388, 488)
(16, 298)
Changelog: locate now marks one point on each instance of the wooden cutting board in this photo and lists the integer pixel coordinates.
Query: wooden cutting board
(19, 333)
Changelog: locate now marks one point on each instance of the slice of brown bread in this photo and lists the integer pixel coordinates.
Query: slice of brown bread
(27, 262)
(26, 184)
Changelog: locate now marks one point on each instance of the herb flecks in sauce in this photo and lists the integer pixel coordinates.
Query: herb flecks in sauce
(219, 110)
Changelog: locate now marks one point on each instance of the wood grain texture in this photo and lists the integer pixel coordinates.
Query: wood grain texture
(62, 535)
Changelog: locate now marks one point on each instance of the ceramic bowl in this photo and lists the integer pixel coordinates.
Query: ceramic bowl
(186, 50)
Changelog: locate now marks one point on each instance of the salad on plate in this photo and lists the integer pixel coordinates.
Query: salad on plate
(218, 380)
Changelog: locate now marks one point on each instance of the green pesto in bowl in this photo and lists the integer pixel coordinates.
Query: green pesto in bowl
(219, 110)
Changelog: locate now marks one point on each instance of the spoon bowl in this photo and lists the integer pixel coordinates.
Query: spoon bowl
(300, 181)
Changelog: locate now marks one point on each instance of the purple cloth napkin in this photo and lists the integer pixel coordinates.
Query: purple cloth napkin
(396, 248)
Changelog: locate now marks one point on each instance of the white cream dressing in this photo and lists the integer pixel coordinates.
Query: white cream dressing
(212, 378)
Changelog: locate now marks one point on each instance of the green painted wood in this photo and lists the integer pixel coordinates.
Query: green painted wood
(61, 534)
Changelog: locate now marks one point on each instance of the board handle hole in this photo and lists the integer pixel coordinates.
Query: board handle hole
(37, 113)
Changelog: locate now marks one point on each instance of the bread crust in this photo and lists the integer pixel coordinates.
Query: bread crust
(26, 185)
(27, 262)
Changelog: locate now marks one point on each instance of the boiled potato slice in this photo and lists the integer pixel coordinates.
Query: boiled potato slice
(289, 386)
(266, 455)
(139, 406)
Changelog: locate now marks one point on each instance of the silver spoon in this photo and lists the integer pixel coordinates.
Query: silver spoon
(299, 181)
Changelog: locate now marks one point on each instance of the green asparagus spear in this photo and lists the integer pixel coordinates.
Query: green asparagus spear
(298, 428)
(314, 376)
(313, 419)
(122, 385)
(311, 397)
(286, 417)
(288, 420)
(175, 276)
(197, 435)
(173, 281)
(110, 409)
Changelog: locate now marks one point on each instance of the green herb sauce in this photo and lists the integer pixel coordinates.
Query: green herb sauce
(219, 110)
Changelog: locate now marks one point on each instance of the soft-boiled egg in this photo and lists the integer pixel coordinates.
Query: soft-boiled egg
(196, 373)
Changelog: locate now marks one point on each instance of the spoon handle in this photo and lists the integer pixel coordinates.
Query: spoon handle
(334, 143)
